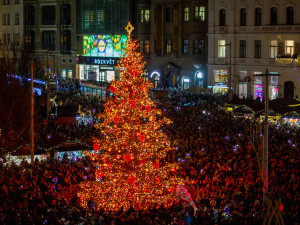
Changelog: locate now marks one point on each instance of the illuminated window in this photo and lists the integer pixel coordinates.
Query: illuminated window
(144, 16)
(63, 73)
(169, 46)
(199, 13)
(70, 73)
(289, 47)
(185, 46)
(274, 49)
(221, 48)
(147, 46)
(186, 17)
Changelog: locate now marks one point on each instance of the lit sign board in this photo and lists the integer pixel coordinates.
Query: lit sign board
(104, 45)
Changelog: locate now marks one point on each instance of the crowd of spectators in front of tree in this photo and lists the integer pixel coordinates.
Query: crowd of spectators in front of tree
(216, 158)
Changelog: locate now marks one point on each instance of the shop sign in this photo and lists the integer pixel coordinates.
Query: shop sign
(99, 61)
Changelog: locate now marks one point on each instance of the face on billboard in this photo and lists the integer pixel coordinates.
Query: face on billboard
(104, 45)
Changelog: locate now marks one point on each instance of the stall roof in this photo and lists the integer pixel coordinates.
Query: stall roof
(25, 150)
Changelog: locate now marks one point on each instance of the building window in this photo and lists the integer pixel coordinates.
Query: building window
(242, 48)
(290, 15)
(4, 19)
(65, 14)
(65, 41)
(17, 1)
(258, 16)
(289, 47)
(257, 49)
(17, 39)
(8, 38)
(169, 46)
(186, 14)
(222, 17)
(7, 19)
(17, 18)
(29, 15)
(147, 46)
(144, 16)
(29, 38)
(221, 48)
(4, 38)
(185, 46)
(70, 73)
(48, 15)
(198, 47)
(48, 40)
(273, 16)
(5, 2)
(141, 45)
(168, 15)
(243, 16)
(63, 60)
(274, 49)
(70, 60)
(199, 13)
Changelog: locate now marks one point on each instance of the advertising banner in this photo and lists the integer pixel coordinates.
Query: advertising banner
(104, 45)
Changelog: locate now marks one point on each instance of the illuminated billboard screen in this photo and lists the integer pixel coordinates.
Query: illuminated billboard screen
(104, 45)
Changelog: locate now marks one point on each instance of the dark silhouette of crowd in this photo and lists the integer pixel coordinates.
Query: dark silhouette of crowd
(68, 85)
(215, 157)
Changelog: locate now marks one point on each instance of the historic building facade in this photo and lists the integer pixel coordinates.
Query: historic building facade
(248, 38)
(11, 26)
(50, 28)
(173, 40)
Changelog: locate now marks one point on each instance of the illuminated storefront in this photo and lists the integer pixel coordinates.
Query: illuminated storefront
(155, 76)
(259, 89)
(199, 78)
(185, 83)
(100, 57)
(221, 80)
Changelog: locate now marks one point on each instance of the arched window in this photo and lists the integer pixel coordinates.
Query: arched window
(243, 17)
(273, 15)
(290, 15)
(258, 16)
(222, 17)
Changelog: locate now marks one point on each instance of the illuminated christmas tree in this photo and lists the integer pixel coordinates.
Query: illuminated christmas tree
(130, 158)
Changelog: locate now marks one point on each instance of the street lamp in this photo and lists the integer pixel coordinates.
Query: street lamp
(229, 72)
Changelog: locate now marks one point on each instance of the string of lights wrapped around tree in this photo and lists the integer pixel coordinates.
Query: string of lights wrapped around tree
(130, 156)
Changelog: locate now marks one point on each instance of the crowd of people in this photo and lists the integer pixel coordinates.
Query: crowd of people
(212, 147)
(68, 85)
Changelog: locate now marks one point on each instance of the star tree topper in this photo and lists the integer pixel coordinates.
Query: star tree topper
(129, 28)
